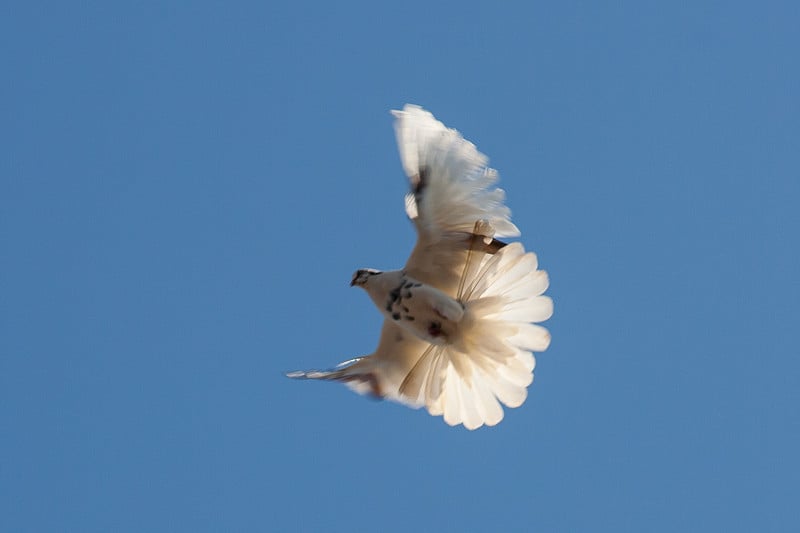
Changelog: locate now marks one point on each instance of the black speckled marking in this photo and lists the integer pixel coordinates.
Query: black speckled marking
(396, 316)
(435, 329)
(394, 296)
(409, 318)
(408, 294)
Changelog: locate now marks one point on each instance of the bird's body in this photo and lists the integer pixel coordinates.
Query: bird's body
(420, 309)
(460, 317)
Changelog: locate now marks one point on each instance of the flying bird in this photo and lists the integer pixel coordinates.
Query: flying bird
(460, 319)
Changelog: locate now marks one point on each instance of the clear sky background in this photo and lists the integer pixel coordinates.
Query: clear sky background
(187, 188)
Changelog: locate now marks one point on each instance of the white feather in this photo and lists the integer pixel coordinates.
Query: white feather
(456, 193)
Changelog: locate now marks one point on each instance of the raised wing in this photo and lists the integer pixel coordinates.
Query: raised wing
(451, 189)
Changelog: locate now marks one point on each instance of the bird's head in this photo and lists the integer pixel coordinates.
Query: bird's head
(361, 276)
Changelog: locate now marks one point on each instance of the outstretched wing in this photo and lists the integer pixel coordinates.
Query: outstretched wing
(382, 373)
(452, 188)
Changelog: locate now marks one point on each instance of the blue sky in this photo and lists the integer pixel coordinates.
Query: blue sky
(187, 188)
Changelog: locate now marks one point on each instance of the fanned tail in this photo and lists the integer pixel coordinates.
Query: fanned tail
(491, 362)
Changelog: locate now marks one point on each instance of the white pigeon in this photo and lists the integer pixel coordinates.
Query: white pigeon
(460, 318)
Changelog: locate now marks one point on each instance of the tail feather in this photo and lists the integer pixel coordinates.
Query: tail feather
(535, 283)
(435, 385)
(516, 372)
(452, 398)
(488, 406)
(536, 309)
(470, 416)
(531, 337)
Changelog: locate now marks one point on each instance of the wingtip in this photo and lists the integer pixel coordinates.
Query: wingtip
(407, 108)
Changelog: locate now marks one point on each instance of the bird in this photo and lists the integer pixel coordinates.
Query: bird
(462, 317)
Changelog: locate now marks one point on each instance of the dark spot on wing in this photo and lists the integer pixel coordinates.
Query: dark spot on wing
(409, 318)
(420, 183)
(396, 316)
(405, 309)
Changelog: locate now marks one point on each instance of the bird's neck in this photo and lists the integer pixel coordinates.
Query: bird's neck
(380, 288)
